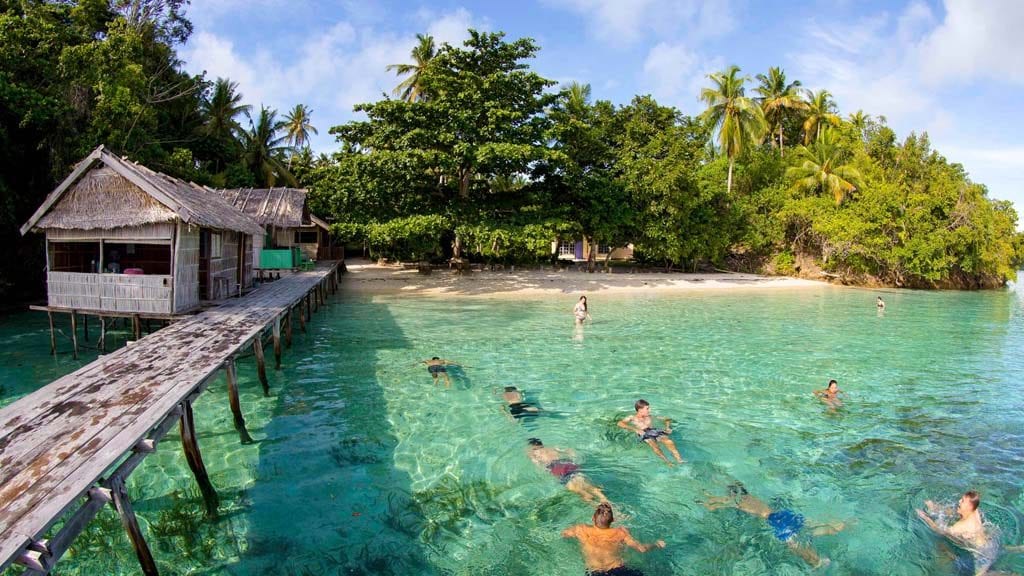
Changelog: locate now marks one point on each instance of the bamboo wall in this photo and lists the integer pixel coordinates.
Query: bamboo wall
(110, 292)
(163, 231)
(225, 268)
(284, 237)
(186, 269)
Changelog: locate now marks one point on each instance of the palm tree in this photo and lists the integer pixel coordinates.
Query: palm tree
(263, 148)
(222, 109)
(860, 121)
(297, 126)
(738, 120)
(777, 99)
(411, 89)
(577, 96)
(820, 111)
(821, 168)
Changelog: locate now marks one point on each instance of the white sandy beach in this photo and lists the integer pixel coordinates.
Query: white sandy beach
(365, 277)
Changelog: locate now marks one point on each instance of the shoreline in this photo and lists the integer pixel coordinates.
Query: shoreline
(368, 278)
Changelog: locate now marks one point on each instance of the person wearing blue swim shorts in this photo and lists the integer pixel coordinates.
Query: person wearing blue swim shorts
(642, 423)
(785, 524)
(439, 367)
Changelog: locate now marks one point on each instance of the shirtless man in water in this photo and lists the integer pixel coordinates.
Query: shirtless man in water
(602, 545)
(785, 524)
(559, 464)
(643, 424)
(968, 532)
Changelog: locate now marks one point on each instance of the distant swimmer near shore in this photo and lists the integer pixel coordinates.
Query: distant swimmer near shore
(642, 424)
(602, 545)
(830, 394)
(580, 311)
(438, 366)
(785, 524)
(880, 304)
(558, 462)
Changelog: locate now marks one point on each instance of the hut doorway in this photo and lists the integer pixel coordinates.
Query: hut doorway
(204, 264)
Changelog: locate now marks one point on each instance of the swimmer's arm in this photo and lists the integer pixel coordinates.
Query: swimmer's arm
(628, 540)
(668, 424)
(627, 424)
(570, 532)
(1014, 549)
(931, 523)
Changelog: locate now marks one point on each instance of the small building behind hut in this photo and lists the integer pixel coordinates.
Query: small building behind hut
(285, 216)
(124, 239)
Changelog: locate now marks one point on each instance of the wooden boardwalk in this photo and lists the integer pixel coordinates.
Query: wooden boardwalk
(70, 445)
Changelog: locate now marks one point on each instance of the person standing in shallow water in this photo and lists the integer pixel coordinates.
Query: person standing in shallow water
(438, 366)
(580, 311)
(880, 304)
(602, 545)
(642, 424)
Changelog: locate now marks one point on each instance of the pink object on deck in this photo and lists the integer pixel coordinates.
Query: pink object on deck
(134, 271)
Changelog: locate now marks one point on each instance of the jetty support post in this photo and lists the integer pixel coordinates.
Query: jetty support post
(277, 343)
(236, 407)
(288, 326)
(53, 336)
(103, 334)
(303, 315)
(85, 326)
(195, 459)
(261, 362)
(131, 524)
(137, 327)
(74, 335)
(309, 306)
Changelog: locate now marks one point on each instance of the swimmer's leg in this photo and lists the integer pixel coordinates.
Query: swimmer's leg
(828, 529)
(807, 554)
(579, 486)
(671, 447)
(654, 446)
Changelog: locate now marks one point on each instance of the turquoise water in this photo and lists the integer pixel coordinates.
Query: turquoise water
(362, 466)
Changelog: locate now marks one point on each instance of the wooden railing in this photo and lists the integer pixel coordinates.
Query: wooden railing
(110, 292)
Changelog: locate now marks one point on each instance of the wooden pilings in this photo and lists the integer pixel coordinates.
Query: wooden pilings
(277, 343)
(236, 407)
(302, 317)
(131, 524)
(195, 459)
(136, 327)
(288, 327)
(53, 337)
(261, 363)
(103, 334)
(74, 335)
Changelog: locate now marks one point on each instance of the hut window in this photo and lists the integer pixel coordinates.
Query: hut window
(149, 258)
(74, 256)
(215, 245)
(305, 237)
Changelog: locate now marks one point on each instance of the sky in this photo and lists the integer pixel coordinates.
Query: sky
(950, 68)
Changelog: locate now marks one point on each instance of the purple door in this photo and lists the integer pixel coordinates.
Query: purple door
(579, 250)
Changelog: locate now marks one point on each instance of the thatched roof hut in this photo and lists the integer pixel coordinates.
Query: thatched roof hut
(285, 214)
(124, 238)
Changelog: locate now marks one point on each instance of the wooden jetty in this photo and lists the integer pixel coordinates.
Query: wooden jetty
(70, 446)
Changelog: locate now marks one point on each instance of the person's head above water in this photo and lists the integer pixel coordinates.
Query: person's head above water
(603, 517)
(583, 300)
(436, 358)
(641, 404)
(737, 489)
(832, 385)
(511, 389)
(968, 503)
(535, 442)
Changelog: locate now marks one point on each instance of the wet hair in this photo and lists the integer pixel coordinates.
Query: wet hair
(831, 382)
(603, 516)
(974, 498)
(584, 300)
(534, 442)
(737, 489)
(436, 358)
(640, 404)
(511, 389)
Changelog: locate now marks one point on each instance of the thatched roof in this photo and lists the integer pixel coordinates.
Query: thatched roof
(105, 192)
(279, 207)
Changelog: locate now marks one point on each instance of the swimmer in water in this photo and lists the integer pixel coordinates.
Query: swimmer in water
(580, 311)
(879, 303)
(439, 366)
(830, 394)
(558, 462)
(968, 532)
(642, 423)
(602, 545)
(515, 406)
(785, 524)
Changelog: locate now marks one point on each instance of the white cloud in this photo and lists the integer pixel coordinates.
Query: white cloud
(623, 22)
(334, 69)
(975, 39)
(667, 67)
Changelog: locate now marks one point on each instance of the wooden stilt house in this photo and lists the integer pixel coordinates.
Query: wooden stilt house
(122, 239)
(288, 224)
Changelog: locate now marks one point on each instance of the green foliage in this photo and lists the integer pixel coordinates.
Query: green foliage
(408, 238)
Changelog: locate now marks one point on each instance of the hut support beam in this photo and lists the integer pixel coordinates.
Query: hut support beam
(137, 326)
(277, 343)
(131, 524)
(103, 334)
(74, 335)
(309, 307)
(261, 363)
(288, 327)
(195, 459)
(236, 406)
(53, 336)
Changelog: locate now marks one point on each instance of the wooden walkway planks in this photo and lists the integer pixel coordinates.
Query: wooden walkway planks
(56, 442)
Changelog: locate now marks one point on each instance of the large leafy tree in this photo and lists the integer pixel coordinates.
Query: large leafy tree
(778, 99)
(411, 88)
(737, 119)
(821, 112)
(263, 150)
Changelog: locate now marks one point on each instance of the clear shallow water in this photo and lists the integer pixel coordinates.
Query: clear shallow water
(363, 467)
